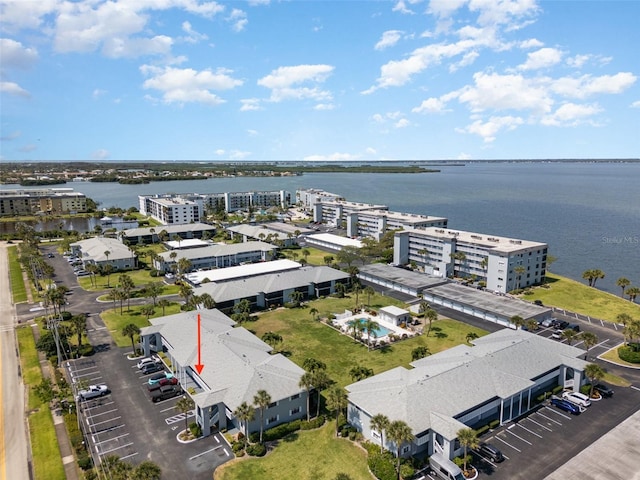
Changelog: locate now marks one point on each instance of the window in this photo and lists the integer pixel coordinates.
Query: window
(273, 404)
(406, 449)
(294, 411)
(293, 397)
(273, 419)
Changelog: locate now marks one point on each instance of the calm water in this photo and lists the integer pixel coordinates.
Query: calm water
(588, 213)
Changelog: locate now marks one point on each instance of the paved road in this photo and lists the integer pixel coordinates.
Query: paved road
(13, 437)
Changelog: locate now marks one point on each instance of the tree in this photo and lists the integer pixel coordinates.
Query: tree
(597, 274)
(380, 423)
(147, 310)
(399, 433)
(328, 260)
(431, 315)
(517, 321)
(305, 253)
(348, 255)
(369, 291)
(419, 352)
(107, 269)
(147, 470)
(336, 402)
(117, 469)
(184, 406)
(321, 381)
(623, 283)
(468, 438)
(519, 271)
(569, 335)
(471, 336)
(371, 326)
(592, 276)
(296, 297)
(340, 290)
(185, 292)
(79, 328)
(590, 340)
(306, 382)
(531, 325)
(632, 293)
(153, 290)
(207, 301)
(360, 372)
(131, 330)
(273, 339)
(313, 365)
(245, 413)
(163, 303)
(594, 373)
(184, 265)
(261, 400)
(314, 313)
(127, 285)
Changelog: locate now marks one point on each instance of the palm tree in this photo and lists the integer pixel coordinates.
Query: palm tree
(184, 406)
(336, 402)
(371, 326)
(126, 285)
(590, 340)
(471, 336)
(131, 330)
(207, 301)
(306, 382)
(468, 438)
(320, 381)
(313, 365)
(399, 433)
(357, 288)
(106, 270)
(594, 373)
(360, 372)
(368, 291)
(632, 293)
(163, 303)
(185, 292)
(419, 352)
(328, 260)
(79, 328)
(569, 335)
(431, 315)
(261, 400)
(380, 423)
(274, 340)
(517, 321)
(314, 312)
(245, 413)
(147, 310)
(296, 297)
(519, 270)
(531, 325)
(596, 275)
(153, 290)
(623, 283)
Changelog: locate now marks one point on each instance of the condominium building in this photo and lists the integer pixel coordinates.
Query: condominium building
(170, 210)
(336, 212)
(48, 200)
(308, 197)
(374, 223)
(504, 264)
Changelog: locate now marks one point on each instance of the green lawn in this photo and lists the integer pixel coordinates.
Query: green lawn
(18, 288)
(307, 455)
(47, 462)
(578, 297)
(303, 337)
(316, 256)
(116, 322)
(139, 277)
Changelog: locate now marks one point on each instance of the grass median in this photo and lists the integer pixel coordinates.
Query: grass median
(47, 461)
(18, 288)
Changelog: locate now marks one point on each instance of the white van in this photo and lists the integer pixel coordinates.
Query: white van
(445, 468)
(577, 398)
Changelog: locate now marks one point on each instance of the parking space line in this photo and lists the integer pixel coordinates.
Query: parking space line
(559, 413)
(530, 431)
(518, 436)
(114, 449)
(635, 388)
(507, 443)
(105, 421)
(205, 452)
(107, 430)
(129, 456)
(104, 413)
(93, 372)
(167, 409)
(98, 406)
(539, 424)
(110, 439)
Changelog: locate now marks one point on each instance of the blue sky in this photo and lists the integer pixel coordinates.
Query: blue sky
(318, 80)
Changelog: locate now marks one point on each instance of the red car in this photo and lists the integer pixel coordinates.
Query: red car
(162, 382)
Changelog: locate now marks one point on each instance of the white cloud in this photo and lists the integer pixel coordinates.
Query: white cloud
(430, 105)
(636, 104)
(578, 61)
(15, 55)
(238, 19)
(98, 92)
(337, 157)
(543, 58)
(220, 152)
(401, 6)
(100, 154)
(29, 147)
(370, 151)
(389, 39)
(512, 13)
(192, 35)
(402, 123)
(13, 88)
(464, 156)
(444, 8)
(467, 59)
(530, 43)
(252, 133)
(238, 155)
(188, 85)
(250, 105)
(489, 129)
(17, 14)
(586, 85)
(570, 114)
(324, 106)
(283, 81)
(11, 136)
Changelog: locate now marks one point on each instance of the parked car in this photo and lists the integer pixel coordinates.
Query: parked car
(159, 376)
(146, 361)
(547, 322)
(93, 391)
(577, 398)
(151, 368)
(165, 392)
(490, 451)
(538, 302)
(163, 382)
(50, 255)
(573, 326)
(603, 390)
(560, 324)
(566, 405)
(557, 335)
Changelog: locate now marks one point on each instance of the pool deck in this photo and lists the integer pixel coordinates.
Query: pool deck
(344, 322)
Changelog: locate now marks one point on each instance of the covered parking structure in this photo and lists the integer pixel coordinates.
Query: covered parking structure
(398, 279)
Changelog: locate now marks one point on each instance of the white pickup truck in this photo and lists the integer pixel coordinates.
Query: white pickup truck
(93, 391)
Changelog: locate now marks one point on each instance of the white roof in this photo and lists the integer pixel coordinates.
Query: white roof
(242, 271)
(335, 239)
(187, 243)
(394, 311)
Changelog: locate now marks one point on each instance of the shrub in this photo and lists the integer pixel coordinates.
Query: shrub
(237, 447)
(482, 430)
(86, 351)
(494, 423)
(84, 461)
(382, 466)
(311, 424)
(629, 353)
(557, 389)
(406, 470)
(280, 431)
(66, 316)
(195, 429)
(256, 450)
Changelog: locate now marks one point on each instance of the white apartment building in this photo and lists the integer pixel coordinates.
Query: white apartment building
(170, 209)
(374, 223)
(243, 200)
(336, 212)
(46, 200)
(310, 196)
(505, 264)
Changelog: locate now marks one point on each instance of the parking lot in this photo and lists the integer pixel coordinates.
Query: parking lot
(126, 423)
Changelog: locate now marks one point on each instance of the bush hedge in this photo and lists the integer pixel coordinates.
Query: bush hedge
(276, 433)
(256, 450)
(630, 353)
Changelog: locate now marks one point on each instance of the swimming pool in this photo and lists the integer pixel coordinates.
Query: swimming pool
(377, 332)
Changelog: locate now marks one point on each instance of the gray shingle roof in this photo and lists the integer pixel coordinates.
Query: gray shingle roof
(218, 250)
(94, 249)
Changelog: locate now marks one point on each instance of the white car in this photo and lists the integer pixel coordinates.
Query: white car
(146, 361)
(577, 398)
(93, 391)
